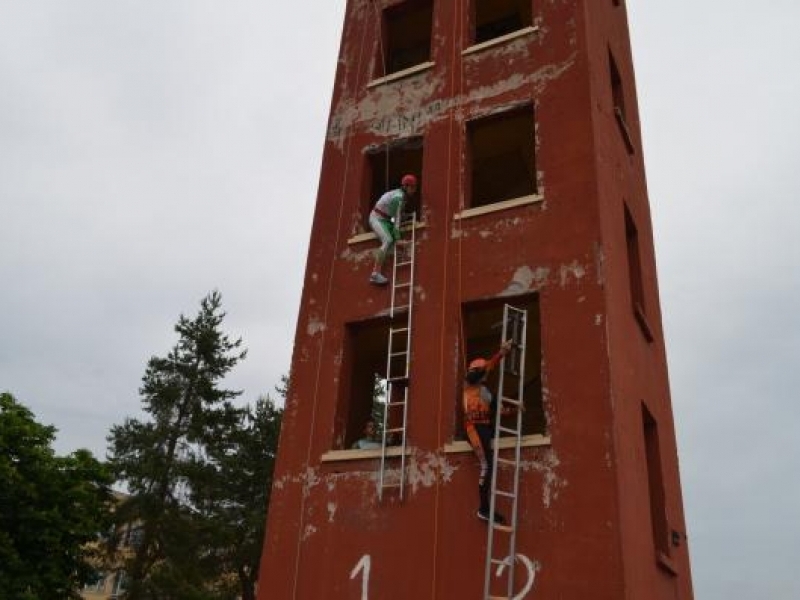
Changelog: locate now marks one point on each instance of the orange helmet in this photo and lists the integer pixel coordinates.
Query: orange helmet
(408, 180)
(478, 363)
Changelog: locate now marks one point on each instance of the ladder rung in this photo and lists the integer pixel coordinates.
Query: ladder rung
(400, 379)
(506, 494)
(403, 307)
(401, 353)
(402, 285)
(395, 430)
(512, 401)
(499, 561)
(504, 528)
(507, 461)
(507, 430)
(404, 263)
(398, 330)
(398, 403)
(392, 485)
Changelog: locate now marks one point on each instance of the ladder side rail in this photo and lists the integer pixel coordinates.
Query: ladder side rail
(412, 258)
(495, 468)
(505, 367)
(513, 364)
(387, 399)
(403, 445)
(392, 385)
(390, 391)
(412, 268)
(520, 333)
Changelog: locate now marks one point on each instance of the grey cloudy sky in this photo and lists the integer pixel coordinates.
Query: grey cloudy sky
(153, 151)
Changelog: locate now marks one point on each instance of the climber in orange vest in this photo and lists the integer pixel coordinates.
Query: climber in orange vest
(480, 411)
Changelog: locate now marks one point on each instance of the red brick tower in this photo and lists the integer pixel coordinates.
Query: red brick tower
(520, 119)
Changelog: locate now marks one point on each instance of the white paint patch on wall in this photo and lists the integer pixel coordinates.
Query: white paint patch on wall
(425, 469)
(360, 257)
(547, 465)
(309, 531)
(331, 509)
(572, 271)
(525, 279)
(315, 326)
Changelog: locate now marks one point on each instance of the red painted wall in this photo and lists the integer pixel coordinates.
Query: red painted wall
(585, 508)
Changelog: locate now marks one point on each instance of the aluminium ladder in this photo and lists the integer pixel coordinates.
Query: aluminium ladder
(398, 359)
(502, 538)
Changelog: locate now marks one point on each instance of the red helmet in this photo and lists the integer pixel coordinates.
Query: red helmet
(478, 363)
(408, 180)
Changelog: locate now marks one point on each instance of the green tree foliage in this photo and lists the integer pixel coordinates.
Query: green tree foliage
(231, 492)
(198, 471)
(51, 507)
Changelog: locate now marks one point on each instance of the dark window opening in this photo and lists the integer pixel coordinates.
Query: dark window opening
(617, 93)
(483, 330)
(495, 18)
(655, 483)
(502, 157)
(406, 38)
(385, 169)
(618, 102)
(363, 383)
(634, 262)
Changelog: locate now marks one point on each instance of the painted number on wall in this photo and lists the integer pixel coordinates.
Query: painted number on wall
(363, 565)
(529, 567)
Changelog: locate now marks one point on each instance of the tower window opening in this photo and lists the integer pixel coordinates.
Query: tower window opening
(618, 102)
(634, 262)
(363, 387)
(502, 157)
(483, 328)
(635, 280)
(655, 483)
(495, 18)
(406, 36)
(386, 167)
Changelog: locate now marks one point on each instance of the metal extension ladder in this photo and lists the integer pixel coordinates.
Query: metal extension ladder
(398, 359)
(502, 539)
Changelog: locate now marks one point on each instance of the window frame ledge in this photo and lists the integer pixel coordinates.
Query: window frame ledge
(666, 563)
(369, 235)
(356, 454)
(500, 40)
(624, 130)
(425, 66)
(535, 440)
(498, 206)
(644, 324)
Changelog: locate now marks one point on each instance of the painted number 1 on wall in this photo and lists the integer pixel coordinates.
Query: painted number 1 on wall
(364, 564)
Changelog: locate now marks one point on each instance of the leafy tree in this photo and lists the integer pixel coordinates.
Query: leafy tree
(51, 508)
(231, 490)
(189, 412)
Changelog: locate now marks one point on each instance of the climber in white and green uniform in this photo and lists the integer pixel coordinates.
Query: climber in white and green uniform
(385, 222)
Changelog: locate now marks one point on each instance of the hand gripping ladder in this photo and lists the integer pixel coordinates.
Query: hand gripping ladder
(502, 539)
(398, 359)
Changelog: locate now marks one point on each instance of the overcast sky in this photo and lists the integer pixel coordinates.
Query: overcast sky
(153, 151)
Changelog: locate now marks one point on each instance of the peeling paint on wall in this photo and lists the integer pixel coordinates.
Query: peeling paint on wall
(315, 326)
(308, 532)
(573, 270)
(525, 279)
(551, 482)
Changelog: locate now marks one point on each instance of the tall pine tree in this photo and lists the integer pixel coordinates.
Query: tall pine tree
(157, 458)
(231, 489)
